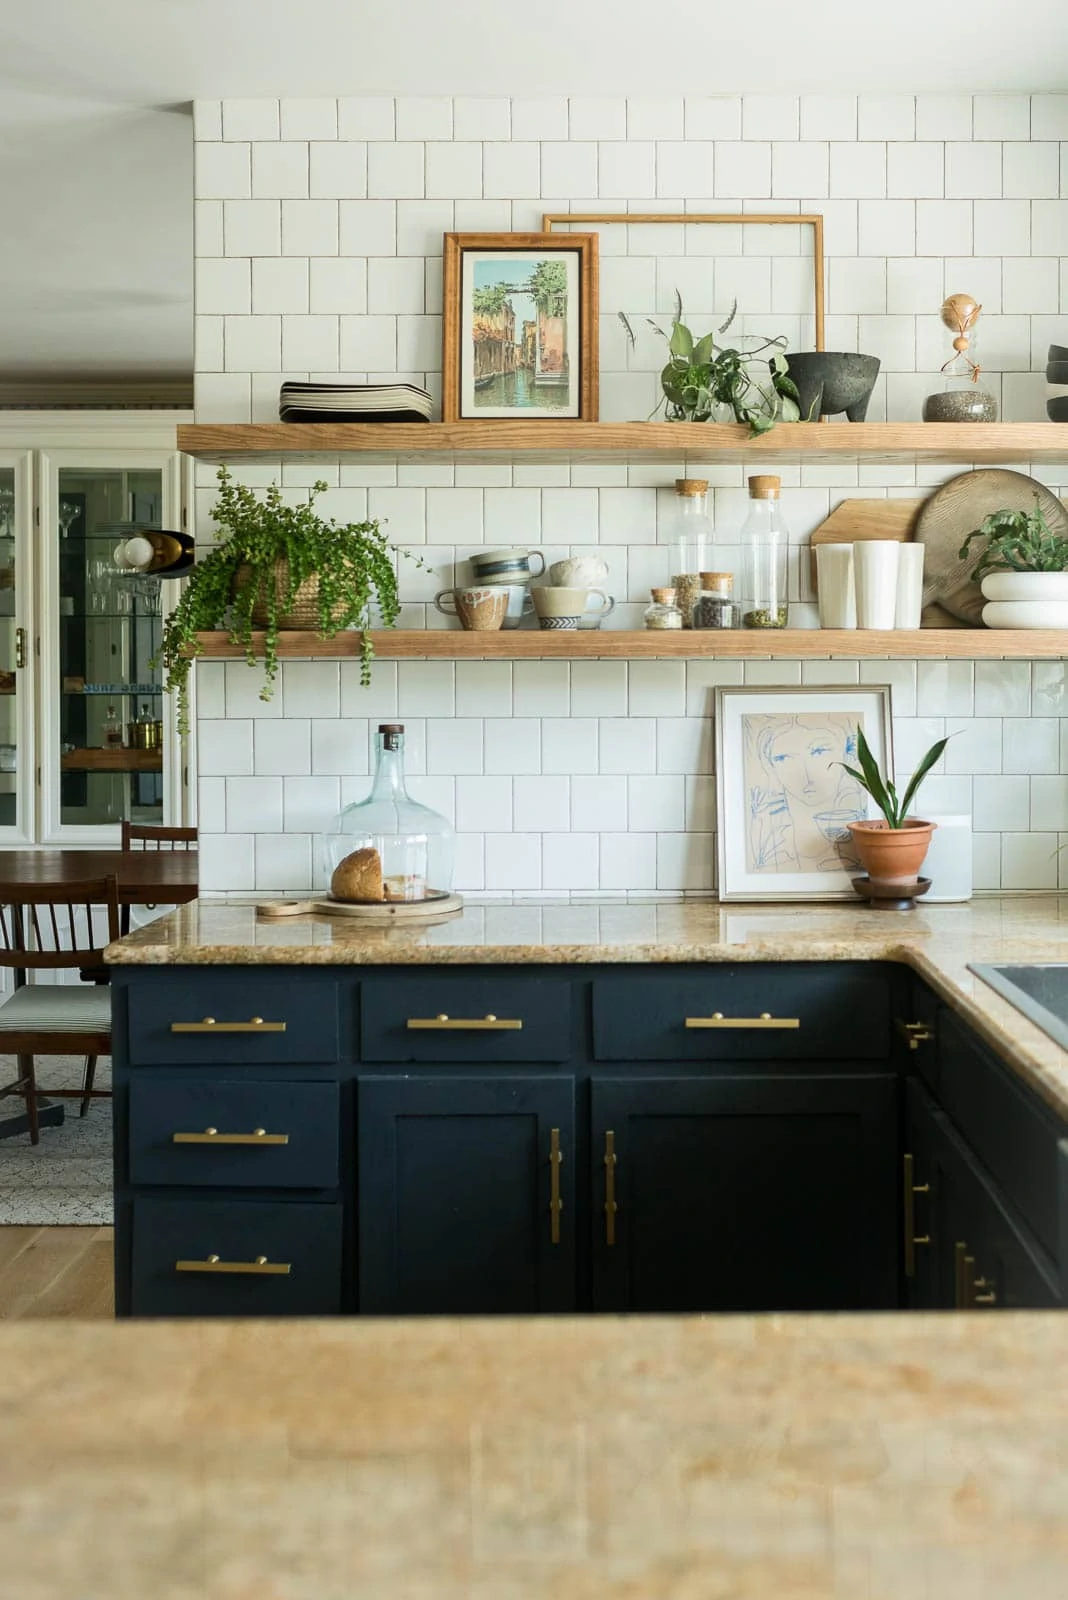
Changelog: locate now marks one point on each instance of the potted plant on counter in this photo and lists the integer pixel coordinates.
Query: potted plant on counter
(891, 850)
(278, 566)
(1022, 569)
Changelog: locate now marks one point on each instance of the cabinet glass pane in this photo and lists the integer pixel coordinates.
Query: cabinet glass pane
(8, 663)
(109, 624)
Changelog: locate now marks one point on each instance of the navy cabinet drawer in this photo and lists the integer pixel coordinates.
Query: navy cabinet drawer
(173, 1238)
(304, 1115)
(236, 1018)
(452, 1016)
(1013, 1136)
(832, 1014)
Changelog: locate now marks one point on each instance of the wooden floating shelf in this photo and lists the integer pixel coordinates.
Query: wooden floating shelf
(112, 760)
(964, 443)
(433, 644)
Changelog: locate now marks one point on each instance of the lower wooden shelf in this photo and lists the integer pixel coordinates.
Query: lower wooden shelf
(521, 644)
(112, 760)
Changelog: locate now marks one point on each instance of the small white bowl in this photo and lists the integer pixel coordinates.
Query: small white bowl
(1030, 586)
(1026, 614)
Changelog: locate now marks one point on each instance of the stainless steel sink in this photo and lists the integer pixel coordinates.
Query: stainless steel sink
(1040, 992)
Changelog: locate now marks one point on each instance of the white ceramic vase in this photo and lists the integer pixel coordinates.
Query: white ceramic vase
(834, 580)
(875, 572)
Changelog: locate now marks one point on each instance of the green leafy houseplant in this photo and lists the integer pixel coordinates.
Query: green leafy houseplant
(1017, 541)
(273, 555)
(882, 789)
(702, 375)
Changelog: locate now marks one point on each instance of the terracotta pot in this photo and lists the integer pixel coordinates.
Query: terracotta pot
(894, 856)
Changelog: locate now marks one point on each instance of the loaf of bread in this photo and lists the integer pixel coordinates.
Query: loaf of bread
(358, 878)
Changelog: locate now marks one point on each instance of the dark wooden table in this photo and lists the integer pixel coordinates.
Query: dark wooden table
(143, 878)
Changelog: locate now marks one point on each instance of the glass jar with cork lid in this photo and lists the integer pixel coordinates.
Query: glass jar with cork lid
(765, 539)
(664, 611)
(715, 606)
(691, 534)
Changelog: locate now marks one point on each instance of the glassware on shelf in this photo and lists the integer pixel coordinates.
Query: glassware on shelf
(404, 849)
(691, 536)
(715, 606)
(962, 398)
(765, 539)
(69, 512)
(112, 731)
(664, 612)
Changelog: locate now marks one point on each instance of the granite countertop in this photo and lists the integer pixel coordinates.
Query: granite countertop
(805, 1458)
(938, 942)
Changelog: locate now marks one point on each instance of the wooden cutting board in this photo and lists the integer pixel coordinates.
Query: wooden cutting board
(442, 905)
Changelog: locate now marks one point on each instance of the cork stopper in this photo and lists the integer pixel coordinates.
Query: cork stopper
(691, 486)
(391, 727)
(663, 597)
(717, 582)
(765, 486)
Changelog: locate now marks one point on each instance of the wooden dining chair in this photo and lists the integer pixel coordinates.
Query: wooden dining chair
(45, 927)
(151, 836)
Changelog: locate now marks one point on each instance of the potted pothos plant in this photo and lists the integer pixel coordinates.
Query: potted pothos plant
(891, 849)
(704, 380)
(278, 566)
(1021, 559)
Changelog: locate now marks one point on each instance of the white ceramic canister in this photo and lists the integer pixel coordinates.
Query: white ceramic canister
(948, 862)
(909, 586)
(834, 580)
(875, 574)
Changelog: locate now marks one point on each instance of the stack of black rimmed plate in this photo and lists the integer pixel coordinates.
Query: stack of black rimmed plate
(354, 402)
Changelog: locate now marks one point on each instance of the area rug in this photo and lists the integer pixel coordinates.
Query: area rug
(66, 1179)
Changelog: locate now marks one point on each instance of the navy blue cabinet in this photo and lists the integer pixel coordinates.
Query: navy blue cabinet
(466, 1194)
(731, 1194)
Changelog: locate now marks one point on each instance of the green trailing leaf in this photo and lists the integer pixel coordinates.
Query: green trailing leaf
(1017, 541)
(700, 378)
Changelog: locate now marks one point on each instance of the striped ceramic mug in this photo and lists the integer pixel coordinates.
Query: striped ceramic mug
(506, 566)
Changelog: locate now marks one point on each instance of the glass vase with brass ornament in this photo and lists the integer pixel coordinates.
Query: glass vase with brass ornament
(962, 398)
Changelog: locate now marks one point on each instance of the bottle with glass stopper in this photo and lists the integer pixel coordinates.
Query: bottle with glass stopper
(765, 539)
(962, 397)
(388, 847)
(692, 535)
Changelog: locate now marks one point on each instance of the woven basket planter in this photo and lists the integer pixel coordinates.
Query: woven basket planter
(303, 613)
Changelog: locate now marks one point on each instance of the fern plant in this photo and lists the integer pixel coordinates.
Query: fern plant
(882, 789)
(1017, 541)
(269, 550)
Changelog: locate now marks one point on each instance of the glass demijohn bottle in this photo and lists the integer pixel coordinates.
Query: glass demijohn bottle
(692, 535)
(765, 539)
(414, 844)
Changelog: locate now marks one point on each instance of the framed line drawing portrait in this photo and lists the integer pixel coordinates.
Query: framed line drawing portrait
(520, 327)
(784, 801)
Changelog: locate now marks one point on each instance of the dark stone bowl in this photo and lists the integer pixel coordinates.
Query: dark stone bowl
(1057, 352)
(830, 381)
(1057, 409)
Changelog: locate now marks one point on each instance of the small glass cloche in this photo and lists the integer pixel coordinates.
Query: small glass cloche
(962, 397)
(388, 847)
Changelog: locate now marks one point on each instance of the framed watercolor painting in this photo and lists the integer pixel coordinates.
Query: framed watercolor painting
(783, 799)
(520, 327)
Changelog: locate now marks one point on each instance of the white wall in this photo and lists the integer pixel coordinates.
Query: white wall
(318, 255)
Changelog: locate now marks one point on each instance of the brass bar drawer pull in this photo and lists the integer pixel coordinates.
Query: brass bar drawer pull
(556, 1205)
(912, 1238)
(914, 1033)
(209, 1025)
(765, 1020)
(213, 1136)
(487, 1024)
(610, 1205)
(261, 1267)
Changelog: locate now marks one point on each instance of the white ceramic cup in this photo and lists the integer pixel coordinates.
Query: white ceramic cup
(834, 579)
(909, 603)
(875, 576)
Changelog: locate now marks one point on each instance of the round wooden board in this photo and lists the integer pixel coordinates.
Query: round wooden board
(445, 905)
(950, 515)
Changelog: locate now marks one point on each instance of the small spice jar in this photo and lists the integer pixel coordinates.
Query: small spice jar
(715, 606)
(663, 613)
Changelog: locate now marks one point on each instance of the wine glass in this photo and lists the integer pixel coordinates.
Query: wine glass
(69, 512)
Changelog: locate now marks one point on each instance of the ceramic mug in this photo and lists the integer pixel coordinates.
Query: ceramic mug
(560, 607)
(578, 572)
(480, 608)
(520, 604)
(506, 566)
(594, 618)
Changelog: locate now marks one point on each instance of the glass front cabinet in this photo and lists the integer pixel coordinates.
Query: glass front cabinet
(87, 736)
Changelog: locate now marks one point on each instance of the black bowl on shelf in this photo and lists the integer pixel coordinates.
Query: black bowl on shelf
(1057, 408)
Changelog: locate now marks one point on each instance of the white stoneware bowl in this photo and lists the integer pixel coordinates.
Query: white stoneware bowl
(1026, 614)
(1031, 586)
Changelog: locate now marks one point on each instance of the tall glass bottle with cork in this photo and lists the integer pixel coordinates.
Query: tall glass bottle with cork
(691, 534)
(765, 539)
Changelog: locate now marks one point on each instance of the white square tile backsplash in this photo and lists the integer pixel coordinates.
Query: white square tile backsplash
(318, 242)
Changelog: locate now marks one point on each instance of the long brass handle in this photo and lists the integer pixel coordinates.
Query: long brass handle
(765, 1020)
(556, 1204)
(487, 1024)
(20, 647)
(912, 1238)
(261, 1267)
(209, 1025)
(914, 1033)
(610, 1206)
(213, 1136)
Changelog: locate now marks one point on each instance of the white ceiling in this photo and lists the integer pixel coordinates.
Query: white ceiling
(95, 140)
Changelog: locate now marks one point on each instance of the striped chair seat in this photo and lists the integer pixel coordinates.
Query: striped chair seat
(55, 1008)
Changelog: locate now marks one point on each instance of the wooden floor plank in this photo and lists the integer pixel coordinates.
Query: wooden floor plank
(56, 1272)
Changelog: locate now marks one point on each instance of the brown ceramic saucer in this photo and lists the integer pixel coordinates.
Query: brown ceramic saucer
(883, 896)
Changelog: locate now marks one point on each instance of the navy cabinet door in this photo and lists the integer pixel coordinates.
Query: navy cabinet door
(751, 1194)
(466, 1194)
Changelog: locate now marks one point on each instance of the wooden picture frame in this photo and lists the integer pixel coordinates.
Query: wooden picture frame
(812, 219)
(550, 371)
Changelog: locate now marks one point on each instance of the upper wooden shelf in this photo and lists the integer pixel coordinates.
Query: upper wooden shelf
(625, 441)
(521, 644)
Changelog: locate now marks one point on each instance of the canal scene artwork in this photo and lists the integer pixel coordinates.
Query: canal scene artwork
(519, 334)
